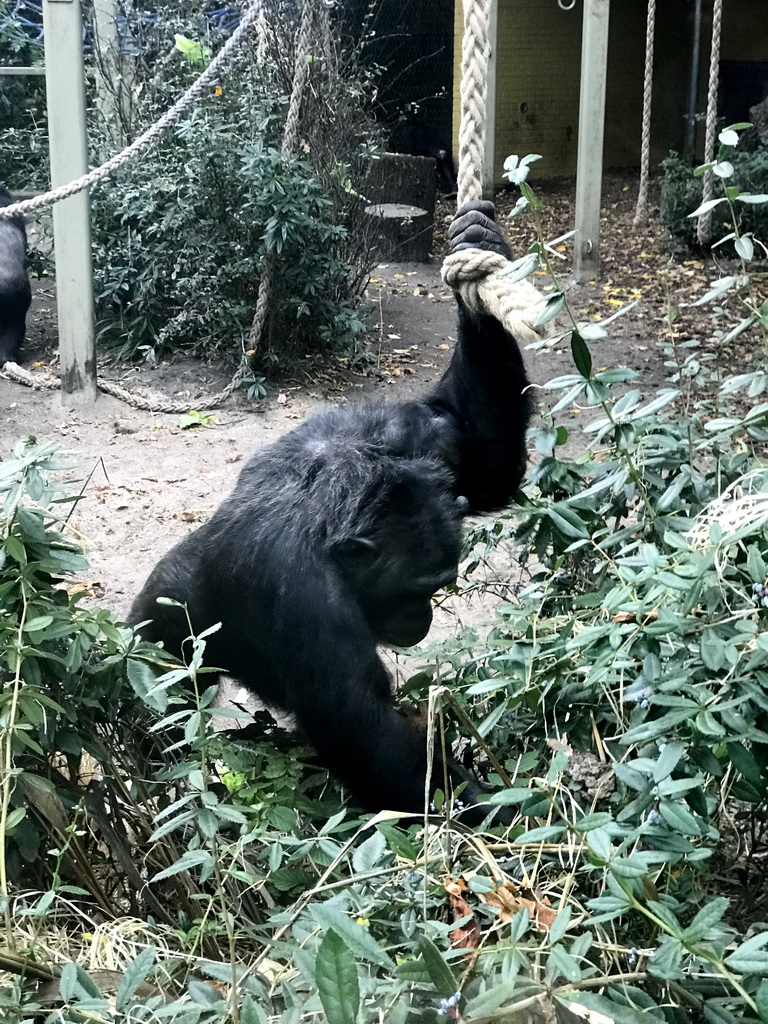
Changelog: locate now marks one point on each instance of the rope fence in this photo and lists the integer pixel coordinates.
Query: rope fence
(253, 14)
(150, 136)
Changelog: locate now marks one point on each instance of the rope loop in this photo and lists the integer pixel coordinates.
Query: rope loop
(477, 276)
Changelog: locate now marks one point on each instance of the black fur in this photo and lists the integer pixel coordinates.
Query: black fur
(335, 539)
(15, 290)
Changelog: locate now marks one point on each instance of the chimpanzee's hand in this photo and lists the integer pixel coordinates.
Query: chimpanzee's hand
(475, 227)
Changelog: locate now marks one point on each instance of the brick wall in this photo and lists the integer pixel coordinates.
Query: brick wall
(539, 56)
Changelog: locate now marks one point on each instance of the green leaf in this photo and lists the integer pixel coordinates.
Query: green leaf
(142, 679)
(679, 818)
(743, 761)
(665, 962)
(712, 649)
(541, 835)
(599, 819)
(202, 993)
(707, 918)
(360, 941)
(560, 924)
(751, 957)
(761, 1000)
(745, 247)
(135, 973)
(710, 204)
(187, 861)
(553, 306)
(336, 979)
(369, 853)
(493, 998)
(716, 1013)
(562, 964)
(581, 355)
(723, 169)
(567, 521)
(439, 972)
(628, 867)
(38, 624)
(667, 761)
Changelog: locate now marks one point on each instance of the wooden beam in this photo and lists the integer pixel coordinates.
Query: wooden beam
(589, 166)
(65, 90)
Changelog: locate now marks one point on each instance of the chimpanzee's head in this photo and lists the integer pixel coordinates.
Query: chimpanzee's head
(407, 548)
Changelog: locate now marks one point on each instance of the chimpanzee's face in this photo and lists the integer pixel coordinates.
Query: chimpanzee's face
(395, 574)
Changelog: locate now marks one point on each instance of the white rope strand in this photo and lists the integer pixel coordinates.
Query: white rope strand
(641, 211)
(704, 226)
(474, 92)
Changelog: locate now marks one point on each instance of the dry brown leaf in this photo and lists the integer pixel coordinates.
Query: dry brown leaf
(621, 617)
(88, 587)
(509, 897)
(468, 936)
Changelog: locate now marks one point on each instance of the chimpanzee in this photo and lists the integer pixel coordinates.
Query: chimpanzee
(15, 290)
(419, 140)
(337, 536)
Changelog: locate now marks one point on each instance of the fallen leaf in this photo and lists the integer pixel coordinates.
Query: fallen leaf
(468, 936)
(509, 898)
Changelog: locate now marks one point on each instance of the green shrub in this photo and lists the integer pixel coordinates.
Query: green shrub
(182, 236)
(681, 193)
(626, 680)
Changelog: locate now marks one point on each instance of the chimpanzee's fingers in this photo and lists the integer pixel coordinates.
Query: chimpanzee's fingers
(477, 236)
(482, 205)
(471, 214)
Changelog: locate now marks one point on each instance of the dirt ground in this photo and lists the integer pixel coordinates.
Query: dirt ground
(146, 482)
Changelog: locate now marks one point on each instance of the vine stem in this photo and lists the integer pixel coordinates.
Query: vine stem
(632, 469)
(7, 787)
(698, 951)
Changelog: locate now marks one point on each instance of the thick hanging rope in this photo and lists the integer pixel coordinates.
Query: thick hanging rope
(704, 226)
(475, 274)
(641, 210)
(158, 403)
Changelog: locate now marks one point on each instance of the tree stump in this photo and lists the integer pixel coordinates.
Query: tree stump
(399, 232)
(399, 178)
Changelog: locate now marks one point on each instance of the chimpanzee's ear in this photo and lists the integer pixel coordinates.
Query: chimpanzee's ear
(352, 554)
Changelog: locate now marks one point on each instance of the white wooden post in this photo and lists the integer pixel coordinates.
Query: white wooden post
(65, 89)
(589, 166)
(489, 160)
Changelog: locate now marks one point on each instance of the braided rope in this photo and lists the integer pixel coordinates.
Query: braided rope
(641, 210)
(704, 226)
(474, 92)
(478, 276)
(150, 136)
(150, 403)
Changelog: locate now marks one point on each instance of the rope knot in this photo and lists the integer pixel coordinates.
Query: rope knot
(476, 276)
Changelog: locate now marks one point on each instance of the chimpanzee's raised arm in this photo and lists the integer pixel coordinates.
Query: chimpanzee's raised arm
(485, 387)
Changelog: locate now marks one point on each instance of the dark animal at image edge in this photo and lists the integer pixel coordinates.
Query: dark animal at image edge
(15, 290)
(337, 536)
